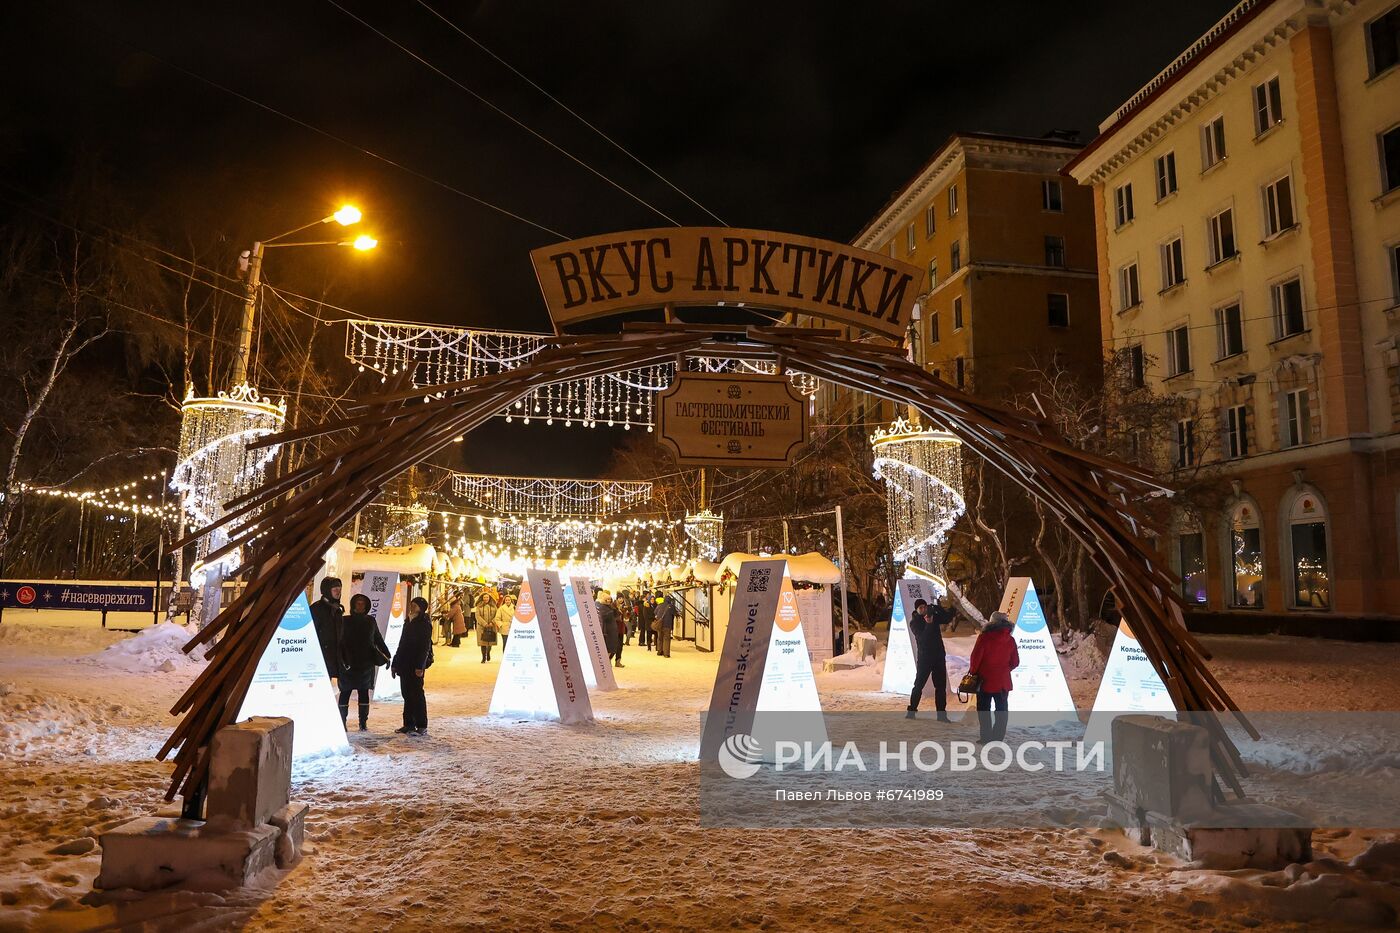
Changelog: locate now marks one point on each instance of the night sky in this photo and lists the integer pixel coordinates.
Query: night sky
(800, 117)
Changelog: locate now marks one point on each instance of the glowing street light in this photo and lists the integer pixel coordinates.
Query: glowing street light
(364, 242)
(346, 216)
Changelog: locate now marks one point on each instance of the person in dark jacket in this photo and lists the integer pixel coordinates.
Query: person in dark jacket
(362, 649)
(326, 614)
(411, 661)
(931, 658)
(607, 620)
(665, 620)
(647, 615)
(994, 657)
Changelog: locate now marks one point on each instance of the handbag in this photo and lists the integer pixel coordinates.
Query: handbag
(970, 684)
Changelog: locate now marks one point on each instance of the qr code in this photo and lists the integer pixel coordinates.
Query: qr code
(379, 584)
(758, 581)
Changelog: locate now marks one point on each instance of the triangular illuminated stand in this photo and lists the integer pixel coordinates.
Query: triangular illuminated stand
(541, 676)
(588, 635)
(764, 643)
(1039, 691)
(1130, 685)
(901, 661)
(386, 604)
(291, 681)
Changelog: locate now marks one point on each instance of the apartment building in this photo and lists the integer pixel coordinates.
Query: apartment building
(1008, 246)
(1247, 213)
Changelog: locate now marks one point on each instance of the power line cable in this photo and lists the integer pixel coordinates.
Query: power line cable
(569, 110)
(540, 136)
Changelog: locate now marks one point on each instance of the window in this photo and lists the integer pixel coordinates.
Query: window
(930, 224)
(1293, 420)
(1246, 558)
(1278, 206)
(1390, 159)
(911, 242)
(1288, 308)
(1383, 40)
(957, 313)
(1178, 350)
(1051, 197)
(933, 335)
(1307, 537)
(1173, 264)
(1123, 204)
(1237, 432)
(1268, 106)
(1129, 295)
(1229, 330)
(955, 257)
(1184, 448)
(1137, 366)
(1055, 251)
(932, 274)
(1166, 175)
(1212, 143)
(1191, 553)
(1057, 306)
(1222, 236)
(959, 372)
(952, 200)
(1395, 272)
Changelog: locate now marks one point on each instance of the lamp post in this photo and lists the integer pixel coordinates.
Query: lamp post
(253, 259)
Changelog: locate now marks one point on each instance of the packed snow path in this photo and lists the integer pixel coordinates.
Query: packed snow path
(522, 825)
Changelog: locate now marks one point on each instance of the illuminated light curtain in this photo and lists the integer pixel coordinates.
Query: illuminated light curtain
(528, 495)
(441, 355)
(215, 464)
(922, 472)
(706, 529)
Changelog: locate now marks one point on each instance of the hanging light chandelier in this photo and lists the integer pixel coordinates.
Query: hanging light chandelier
(922, 472)
(706, 529)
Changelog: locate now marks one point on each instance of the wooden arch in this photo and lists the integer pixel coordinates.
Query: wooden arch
(301, 511)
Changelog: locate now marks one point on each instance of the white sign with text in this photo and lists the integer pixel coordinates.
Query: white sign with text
(588, 634)
(1038, 683)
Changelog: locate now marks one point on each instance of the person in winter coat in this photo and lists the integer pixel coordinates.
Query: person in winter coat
(362, 649)
(485, 613)
(926, 625)
(994, 657)
(326, 614)
(411, 661)
(458, 620)
(665, 619)
(647, 615)
(607, 620)
(505, 615)
(621, 638)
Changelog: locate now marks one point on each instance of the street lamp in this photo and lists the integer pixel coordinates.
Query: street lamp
(346, 216)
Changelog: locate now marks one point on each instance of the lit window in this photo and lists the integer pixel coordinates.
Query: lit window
(1268, 106)
(1057, 307)
(1307, 537)
(1129, 293)
(1222, 236)
(1246, 558)
(1178, 350)
(1123, 204)
(1289, 318)
(1173, 264)
(1051, 196)
(1278, 206)
(1230, 330)
(1212, 143)
(1166, 175)
(1191, 554)
(911, 243)
(952, 200)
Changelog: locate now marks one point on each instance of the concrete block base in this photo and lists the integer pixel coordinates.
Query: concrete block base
(153, 852)
(250, 772)
(1236, 835)
(290, 822)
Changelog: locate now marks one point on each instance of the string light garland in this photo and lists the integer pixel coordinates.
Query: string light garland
(534, 495)
(706, 529)
(922, 471)
(121, 498)
(441, 355)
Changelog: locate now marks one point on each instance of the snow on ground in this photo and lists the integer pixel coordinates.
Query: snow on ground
(522, 825)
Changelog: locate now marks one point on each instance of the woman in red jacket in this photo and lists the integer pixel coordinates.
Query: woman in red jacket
(994, 657)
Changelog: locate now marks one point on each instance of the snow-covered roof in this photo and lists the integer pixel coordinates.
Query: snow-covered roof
(706, 571)
(810, 567)
(412, 558)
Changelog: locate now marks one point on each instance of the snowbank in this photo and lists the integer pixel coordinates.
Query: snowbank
(158, 648)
